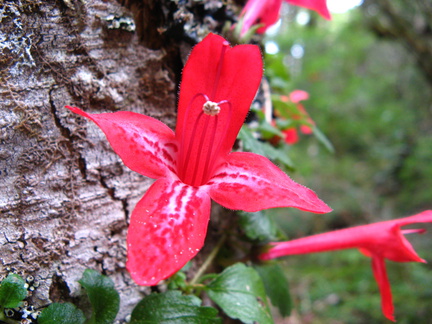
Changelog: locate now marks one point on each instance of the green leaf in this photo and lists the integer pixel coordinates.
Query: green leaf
(251, 144)
(279, 154)
(285, 123)
(258, 226)
(239, 291)
(12, 291)
(323, 139)
(285, 109)
(276, 286)
(66, 313)
(104, 299)
(276, 71)
(177, 281)
(268, 131)
(172, 307)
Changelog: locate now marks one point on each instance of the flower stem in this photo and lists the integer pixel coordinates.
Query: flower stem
(209, 260)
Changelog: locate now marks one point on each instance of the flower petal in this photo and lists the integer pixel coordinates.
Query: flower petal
(383, 239)
(145, 145)
(222, 74)
(423, 217)
(298, 95)
(260, 12)
(323, 242)
(380, 274)
(251, 182)
(167, 229)
(291, 135)
(398, 248)
(319, 6)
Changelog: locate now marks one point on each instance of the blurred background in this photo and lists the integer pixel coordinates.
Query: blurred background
(369, 76)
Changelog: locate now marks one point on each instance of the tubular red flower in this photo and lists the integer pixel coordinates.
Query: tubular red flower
(380, 241)
(168, 226)
(266, 12)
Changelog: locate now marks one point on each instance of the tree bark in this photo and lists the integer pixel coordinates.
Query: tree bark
(65, 196)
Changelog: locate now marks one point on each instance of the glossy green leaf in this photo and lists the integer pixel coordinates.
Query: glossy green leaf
(104, 299)
(12, 291)
(258, 227)
(66, 313)
(172, 307)
(276, 286)
(239, 291)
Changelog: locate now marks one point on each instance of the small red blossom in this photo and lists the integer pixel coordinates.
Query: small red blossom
(291, 135)
(194, 165)
(266, 12)
(380, 241)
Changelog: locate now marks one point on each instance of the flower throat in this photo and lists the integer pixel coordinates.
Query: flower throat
(209, 120)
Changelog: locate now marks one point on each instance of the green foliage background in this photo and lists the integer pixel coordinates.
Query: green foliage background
(370, 99)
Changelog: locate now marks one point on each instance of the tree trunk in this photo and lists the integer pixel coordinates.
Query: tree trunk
(65, 196)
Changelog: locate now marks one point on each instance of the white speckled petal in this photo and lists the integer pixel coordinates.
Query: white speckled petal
(167, 229)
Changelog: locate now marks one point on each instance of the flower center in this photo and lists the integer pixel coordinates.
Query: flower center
(206, 123)
(211, 108)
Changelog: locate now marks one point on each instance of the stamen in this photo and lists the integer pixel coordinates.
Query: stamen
(200, 149)
(211, 108)
(210, 159)
(197, 159)
(197, 170)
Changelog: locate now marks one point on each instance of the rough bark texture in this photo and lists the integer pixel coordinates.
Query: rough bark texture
(65, 196)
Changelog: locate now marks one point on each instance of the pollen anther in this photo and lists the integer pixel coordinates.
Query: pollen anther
(211, 108)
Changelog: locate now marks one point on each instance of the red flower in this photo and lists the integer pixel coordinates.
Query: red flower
(319, 6)
(291, 136)
(267, 12)
(383, 240)
(194, 164)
